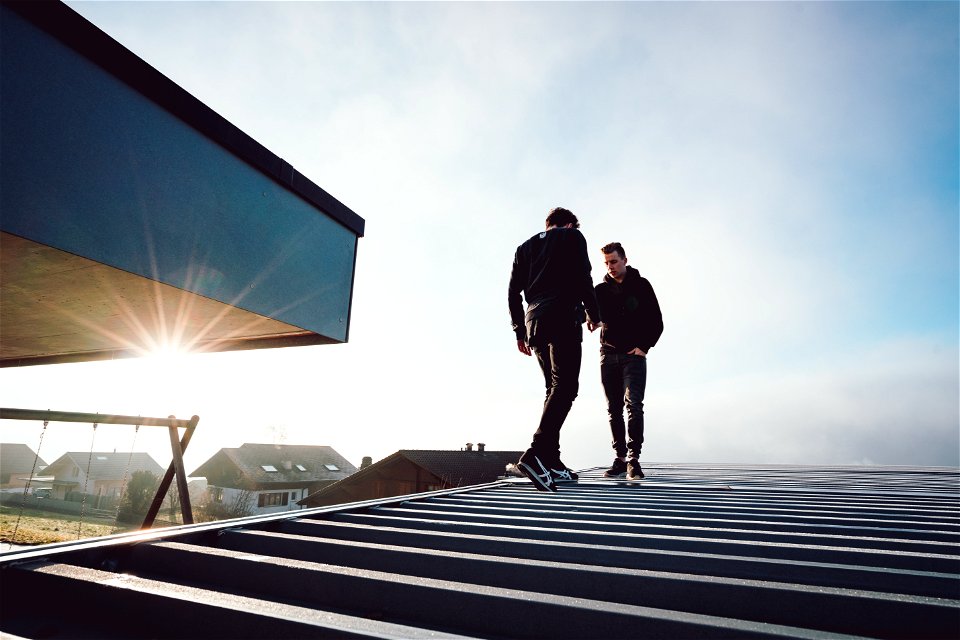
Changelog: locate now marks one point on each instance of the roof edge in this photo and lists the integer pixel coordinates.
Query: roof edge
(73, 30)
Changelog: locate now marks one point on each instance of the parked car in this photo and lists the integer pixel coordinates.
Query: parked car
(43, 492)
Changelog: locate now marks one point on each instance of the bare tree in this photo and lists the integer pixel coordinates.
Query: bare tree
(239, 505)
(172, 501)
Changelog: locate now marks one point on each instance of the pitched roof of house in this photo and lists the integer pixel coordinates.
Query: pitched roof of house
(286, 463)
(462, 468)
(455, 468)
(19, 458)
(107, 465)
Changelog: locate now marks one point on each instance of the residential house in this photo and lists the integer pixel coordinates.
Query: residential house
(415, 471)
(17, 462)
(107, 477)
(266, 478)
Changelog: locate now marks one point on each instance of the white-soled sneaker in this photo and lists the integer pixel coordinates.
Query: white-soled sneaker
(538, 473)
(563, 474)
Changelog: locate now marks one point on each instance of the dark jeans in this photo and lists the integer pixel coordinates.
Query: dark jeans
(560, 363)
(624, 380)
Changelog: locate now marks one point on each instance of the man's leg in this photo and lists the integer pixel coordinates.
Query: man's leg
(635, 382)
(560, 363)
(537, 461)
(611, 376)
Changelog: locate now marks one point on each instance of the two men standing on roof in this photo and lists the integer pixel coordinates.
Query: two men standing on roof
(552, 270)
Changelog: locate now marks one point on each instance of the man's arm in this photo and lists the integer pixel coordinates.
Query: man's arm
(584, 285)
(515, 303)
(651, 320)
(597, 292)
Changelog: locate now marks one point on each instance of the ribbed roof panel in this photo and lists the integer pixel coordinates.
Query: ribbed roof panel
(701, 551)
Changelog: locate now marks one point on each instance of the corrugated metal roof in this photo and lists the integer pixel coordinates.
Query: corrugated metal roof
(701, 551)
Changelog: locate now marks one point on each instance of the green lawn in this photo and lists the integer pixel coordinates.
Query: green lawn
(42, 527)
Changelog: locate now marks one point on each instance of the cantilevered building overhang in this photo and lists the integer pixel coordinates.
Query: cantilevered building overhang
(132, 216)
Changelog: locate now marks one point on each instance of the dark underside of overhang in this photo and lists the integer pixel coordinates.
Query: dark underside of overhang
(134, 218)
(59, 307)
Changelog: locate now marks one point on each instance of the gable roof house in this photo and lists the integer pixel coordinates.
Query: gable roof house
(267, 478)
(108, 472)
(416, 471)
(17, 461)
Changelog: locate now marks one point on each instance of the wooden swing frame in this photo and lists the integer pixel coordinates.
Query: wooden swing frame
(178, 445)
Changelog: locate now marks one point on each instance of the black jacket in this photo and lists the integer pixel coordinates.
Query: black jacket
(553, 272)
(631, 314)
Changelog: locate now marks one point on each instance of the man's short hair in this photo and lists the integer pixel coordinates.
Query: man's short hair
(561, 217)
(614, 246)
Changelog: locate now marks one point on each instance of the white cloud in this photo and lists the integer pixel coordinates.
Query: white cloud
(893, 403)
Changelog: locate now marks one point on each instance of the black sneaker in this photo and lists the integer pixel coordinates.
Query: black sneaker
(562, 473)
(618, 470)
(634, 472)
(538, 473)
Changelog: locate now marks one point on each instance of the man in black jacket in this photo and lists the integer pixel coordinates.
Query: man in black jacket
(552, 270)
(632, 324)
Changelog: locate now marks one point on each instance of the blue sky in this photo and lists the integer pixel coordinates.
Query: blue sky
(785, 174)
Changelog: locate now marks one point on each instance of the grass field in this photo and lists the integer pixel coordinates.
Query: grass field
(43, 527)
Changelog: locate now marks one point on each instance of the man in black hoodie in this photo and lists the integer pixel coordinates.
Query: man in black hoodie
(632, 324)
(552, 270)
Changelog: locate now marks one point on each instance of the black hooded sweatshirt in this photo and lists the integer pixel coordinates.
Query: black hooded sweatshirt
(631, 314)
(553, 272)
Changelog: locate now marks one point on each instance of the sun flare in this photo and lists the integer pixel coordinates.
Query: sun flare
(167, 356)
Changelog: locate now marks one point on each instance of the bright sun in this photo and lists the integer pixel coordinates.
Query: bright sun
(166, 357)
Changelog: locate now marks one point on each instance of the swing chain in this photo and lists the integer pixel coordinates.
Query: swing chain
(123, 485)
(86, 480)
(26, 487)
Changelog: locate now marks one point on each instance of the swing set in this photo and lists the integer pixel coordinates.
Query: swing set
(178, 445)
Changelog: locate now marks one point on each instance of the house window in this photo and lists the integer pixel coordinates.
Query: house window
(268, 468)
(216, 494)
(293, 496)
(300, 467)
(332, 467)
(272, 499)
(76, 471)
